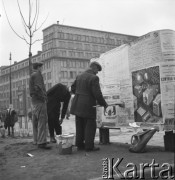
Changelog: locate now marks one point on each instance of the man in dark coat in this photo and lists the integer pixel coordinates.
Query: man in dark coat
(87, 91)
(39, 107)
(56, 95)
(10, 119)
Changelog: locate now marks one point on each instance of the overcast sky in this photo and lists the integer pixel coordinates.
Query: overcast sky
(132, 17)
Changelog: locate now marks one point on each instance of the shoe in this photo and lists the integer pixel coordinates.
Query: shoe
(53, 140)
(44, 146)
(93, 149)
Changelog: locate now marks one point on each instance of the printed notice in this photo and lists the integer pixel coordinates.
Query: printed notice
(167, 82)
(145, 51)
(168, 44)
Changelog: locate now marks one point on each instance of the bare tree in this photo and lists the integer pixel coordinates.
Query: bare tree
(30, 26)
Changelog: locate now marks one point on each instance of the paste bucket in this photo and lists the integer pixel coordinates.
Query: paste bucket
(65, 143)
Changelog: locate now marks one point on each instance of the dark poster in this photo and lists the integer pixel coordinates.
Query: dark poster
(147, 95)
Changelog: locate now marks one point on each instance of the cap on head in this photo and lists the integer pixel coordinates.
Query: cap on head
(97, 64)
(37, 64)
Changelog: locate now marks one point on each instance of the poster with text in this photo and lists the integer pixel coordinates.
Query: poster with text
(168, 44)
(167, 83)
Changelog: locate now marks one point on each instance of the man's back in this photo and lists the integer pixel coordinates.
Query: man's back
(57, 94)
(87, 92)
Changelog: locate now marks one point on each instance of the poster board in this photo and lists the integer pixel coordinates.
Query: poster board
(147, 95)
(144, 97)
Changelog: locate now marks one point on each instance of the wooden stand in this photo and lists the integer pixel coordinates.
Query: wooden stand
(169, 141)
(104, 134)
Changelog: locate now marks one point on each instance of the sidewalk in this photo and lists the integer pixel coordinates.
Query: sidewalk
(120, 136)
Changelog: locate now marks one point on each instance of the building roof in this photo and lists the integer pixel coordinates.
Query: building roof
(87, 29)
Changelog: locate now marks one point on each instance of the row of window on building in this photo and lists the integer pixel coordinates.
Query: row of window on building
(70, 74)
(46, 76)
(74, 64)
(16, 104)
(18, 66)
(25, 82)
(72, 54)
(16, 84)
(21, 73)
(83, 38)
(76, 46)
(6, 94)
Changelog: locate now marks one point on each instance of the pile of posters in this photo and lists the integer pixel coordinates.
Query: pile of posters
(142, 75)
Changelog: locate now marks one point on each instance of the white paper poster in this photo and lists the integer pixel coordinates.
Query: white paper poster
(126, 115)
(167, 81)
(145, 51)
(168, 44)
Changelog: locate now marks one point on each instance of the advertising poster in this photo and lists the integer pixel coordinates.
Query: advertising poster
(168, 44)
(111, 94)
(147, 95)
(167, 82)
(145, 51)
(126, 114)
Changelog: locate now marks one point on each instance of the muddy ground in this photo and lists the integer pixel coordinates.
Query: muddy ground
(15, 164)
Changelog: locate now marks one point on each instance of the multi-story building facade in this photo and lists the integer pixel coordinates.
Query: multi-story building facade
(19, 85)
(66, 52)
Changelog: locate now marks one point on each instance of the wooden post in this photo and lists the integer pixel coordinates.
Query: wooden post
(104, 136)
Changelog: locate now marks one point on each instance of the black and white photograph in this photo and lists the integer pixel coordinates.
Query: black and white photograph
(87, 89)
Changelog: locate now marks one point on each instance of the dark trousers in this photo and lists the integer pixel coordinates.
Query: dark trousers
(85, 132)
(53, 123)
(12, 128)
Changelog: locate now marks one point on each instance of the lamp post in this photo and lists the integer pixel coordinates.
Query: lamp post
(10, 81)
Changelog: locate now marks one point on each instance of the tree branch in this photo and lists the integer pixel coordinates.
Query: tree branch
(41, 24)
(29, 16)
(25, 40)
(36, 13)
(25, 28)
(37, 40)
(21, 14)
(37, 16)
(10, 23)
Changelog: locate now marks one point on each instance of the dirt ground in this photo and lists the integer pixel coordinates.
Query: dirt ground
(49, 164)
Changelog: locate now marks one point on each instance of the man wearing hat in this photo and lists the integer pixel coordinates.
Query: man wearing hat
(39, 108)
(87, 91)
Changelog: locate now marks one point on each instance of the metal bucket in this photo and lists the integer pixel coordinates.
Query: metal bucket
(65, 143)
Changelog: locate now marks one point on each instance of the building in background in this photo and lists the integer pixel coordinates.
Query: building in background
(19, 85)
(66, 52)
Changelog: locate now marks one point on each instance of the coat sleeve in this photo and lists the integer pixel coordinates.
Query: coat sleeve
(96, 91)
(65, 105)
(73, 87)
(33, 86)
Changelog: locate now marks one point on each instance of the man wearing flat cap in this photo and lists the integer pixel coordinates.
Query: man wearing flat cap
(87, 92)
(39, 108)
